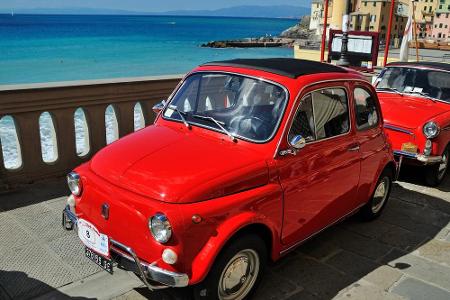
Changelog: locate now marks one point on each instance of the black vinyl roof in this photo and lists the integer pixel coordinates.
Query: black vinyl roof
(434, 65)
(289, 67)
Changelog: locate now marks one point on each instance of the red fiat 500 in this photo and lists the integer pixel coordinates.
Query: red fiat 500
(245, 161)
(415, 99)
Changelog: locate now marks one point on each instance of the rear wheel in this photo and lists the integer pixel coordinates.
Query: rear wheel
(236, 272)
(380, 196)
(436, 173)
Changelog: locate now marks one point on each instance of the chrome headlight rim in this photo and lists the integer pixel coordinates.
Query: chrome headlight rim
(434, 132)
(160, 228)
(75, 184)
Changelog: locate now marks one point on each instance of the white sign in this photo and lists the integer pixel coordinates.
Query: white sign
(92, 238)
(356, 44)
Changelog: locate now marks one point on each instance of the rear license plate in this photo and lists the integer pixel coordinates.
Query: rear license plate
(103, 262)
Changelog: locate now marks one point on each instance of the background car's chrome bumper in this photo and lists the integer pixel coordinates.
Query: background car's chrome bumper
(127, 259)
(420, 157)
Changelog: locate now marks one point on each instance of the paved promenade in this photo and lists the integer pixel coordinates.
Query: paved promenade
(405, 254)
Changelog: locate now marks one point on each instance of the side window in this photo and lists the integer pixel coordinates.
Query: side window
(322, 114)
(366, 109)
(303, 123)
(331, 117)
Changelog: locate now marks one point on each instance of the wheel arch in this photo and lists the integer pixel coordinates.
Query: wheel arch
(226, 234)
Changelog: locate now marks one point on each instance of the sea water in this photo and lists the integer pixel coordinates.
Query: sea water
(43, 48)
(48, 48)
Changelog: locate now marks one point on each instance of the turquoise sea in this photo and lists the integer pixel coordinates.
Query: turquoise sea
(43, 48)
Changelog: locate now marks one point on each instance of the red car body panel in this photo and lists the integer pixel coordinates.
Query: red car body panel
(184, 172)
(412, 113)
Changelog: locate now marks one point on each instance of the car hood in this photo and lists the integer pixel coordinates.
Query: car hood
(409, 111)
(180, 166)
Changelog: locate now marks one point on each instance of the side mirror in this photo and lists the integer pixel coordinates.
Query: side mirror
(158, 107)
(297, 142)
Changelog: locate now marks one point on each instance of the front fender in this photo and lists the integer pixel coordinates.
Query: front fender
(206, 257)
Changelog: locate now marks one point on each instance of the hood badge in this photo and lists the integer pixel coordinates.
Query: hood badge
(105, 211)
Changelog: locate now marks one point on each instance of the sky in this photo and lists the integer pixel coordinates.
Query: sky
(143, 5)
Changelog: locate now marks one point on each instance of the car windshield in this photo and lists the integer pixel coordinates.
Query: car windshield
(428, 83)
(236, 105)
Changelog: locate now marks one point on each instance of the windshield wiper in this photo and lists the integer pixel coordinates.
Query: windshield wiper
(426, 95)
(182, 115)
(218, 123)
(390, 89)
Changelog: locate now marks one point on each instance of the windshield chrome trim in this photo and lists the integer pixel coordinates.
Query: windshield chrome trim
(408, 93)
(277, 126)
(297, 99)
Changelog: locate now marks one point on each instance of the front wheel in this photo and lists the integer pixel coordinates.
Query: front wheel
(236, 272)
(377, 202)
(436, 173)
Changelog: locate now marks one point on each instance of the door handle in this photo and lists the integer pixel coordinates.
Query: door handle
(353, 147)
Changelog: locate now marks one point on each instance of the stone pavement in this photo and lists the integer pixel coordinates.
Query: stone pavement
(405, 254)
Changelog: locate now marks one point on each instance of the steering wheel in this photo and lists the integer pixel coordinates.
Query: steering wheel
(249, 126)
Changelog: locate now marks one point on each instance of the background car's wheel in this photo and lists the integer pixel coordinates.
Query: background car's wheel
(436, 173)
(236, 272)
(380, 196)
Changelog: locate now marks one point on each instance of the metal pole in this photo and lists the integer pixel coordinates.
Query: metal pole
(343, 60)
(415, 29)
(324, 33)
(388, 38)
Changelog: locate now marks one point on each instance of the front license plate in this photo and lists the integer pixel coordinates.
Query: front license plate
(92, 238)
(409, 147)
(103, 262)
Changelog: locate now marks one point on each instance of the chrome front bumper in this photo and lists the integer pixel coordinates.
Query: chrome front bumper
(153, 277)
(425, 159)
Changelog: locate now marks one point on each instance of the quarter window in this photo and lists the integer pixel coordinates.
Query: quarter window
(322, 114)
(366, 109)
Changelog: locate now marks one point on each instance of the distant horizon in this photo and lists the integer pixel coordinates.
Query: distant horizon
(143, 5)
(246, 11)
(140, 14)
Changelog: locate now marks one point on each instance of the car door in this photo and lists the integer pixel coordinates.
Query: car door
(319, 182)
(370, 135)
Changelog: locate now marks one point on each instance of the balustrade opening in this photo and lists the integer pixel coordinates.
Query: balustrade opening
(9, 140)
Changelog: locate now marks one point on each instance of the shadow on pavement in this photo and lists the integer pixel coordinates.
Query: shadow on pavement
(33, 194)
(343, 254)
(28, 288)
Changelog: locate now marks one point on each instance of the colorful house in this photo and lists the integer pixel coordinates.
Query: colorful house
(441, 23)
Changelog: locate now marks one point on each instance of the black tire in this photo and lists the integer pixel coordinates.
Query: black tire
(375, 205)
(208, 289)
(434, 173)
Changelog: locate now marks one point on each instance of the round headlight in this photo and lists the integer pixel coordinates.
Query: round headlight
(431, 130)
(160, 228)
(74, 183)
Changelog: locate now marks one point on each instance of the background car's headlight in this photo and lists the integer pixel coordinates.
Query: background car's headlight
(74, 183)
(431, 130)
(160, 228)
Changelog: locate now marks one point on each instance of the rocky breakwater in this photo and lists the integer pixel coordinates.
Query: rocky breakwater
(252, 43)
(297, 34)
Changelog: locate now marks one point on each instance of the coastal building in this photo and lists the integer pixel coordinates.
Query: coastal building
(441, 22)
(334, 18)
(366, 15)
(424, 16)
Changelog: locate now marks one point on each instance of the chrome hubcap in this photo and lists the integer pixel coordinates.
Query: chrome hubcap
(380, 195)
(443, 165)
(239, 275)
